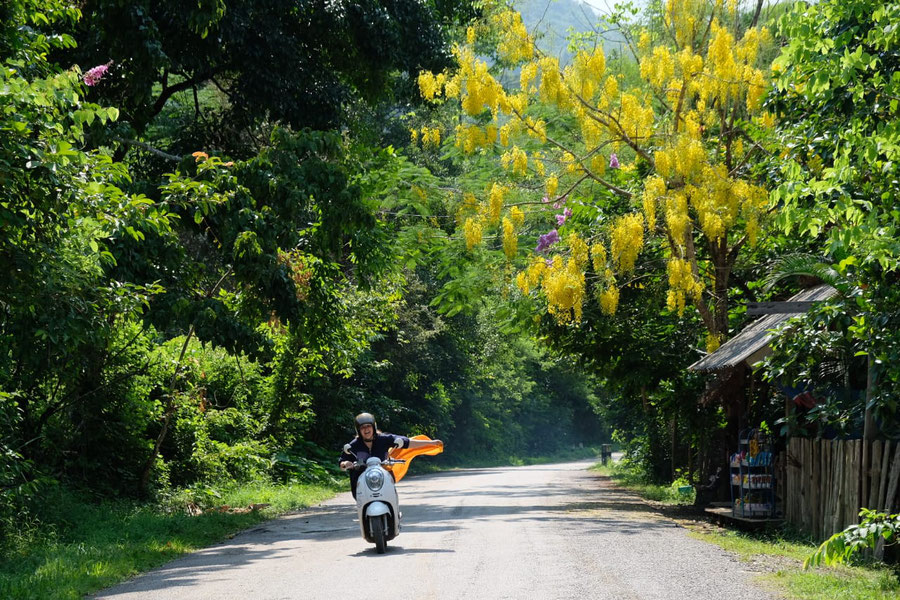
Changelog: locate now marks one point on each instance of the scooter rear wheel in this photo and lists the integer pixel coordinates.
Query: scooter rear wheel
(376, 525)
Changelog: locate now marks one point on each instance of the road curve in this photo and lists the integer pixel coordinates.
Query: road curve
(545, 532)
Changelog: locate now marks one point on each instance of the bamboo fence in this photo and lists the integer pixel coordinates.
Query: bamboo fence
(827, 482)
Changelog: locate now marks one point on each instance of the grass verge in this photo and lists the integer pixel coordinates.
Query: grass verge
(777, 555)
(672, 494)
(85, 547)
(781, 560)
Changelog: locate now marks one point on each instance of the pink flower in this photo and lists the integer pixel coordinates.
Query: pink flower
(613, 161)
(93, 77)
(545, 200)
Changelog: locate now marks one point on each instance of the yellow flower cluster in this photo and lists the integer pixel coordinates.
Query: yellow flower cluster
(563, 285)
(682, 284)
(527, 76)
(579, 250)
(636, 120)
(644, 40)
(516, 160)
(713, 341)
(431, 136)
(609, 300)
(724, 73)
(627, 241)
(586, 72)
(598, 164)
(552, 88)
(685, 18)
(481, 89)
(538, 164)
(431, 85)
(495, 203)
(678, 220)
(529, 279)
(469, 138)
(551, 186)
(654, 190)
(517, 216)
(510, 240)
(515, 43)
(598, 257)
(684, 160)
(472, 231)
(659, 67)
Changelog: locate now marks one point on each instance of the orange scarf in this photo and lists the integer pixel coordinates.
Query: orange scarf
(408, 454)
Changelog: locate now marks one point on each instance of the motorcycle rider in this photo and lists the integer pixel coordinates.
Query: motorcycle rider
(371, 442)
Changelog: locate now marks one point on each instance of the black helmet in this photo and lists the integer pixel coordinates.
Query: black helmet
(364, 419)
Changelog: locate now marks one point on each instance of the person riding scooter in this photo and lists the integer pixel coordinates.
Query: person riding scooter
(371, 442)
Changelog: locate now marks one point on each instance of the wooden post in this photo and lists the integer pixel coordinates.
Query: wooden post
(885, 470)
(892, 482)
(874, 475)
(838, 487)
(889, 497)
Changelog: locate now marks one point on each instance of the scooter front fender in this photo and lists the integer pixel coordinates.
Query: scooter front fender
(376, 509)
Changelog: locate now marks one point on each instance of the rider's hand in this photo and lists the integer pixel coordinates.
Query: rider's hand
(346, 465)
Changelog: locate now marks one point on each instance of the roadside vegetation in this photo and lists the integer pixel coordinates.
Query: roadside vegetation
(78, 546)
(777, 554)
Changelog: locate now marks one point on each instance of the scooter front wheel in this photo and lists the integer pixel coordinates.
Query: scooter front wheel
(376, 526)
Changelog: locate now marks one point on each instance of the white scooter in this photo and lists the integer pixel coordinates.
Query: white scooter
(376, 501)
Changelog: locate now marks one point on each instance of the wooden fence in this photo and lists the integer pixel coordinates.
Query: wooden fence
(826, 482)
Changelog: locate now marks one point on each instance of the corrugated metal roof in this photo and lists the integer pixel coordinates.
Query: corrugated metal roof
(756, 336)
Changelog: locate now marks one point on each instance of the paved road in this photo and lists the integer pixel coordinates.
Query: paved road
(539, 532)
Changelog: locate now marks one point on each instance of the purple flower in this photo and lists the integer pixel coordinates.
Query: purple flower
(545, 200)
(547, 240)
(560, 219)
(93, 77)
(548, 262)
(613, 161)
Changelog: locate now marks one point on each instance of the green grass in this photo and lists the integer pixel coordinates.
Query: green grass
(860, 582)
(83, 547)
(627, 477)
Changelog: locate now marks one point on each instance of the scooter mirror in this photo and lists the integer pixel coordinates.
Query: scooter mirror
(348, 450)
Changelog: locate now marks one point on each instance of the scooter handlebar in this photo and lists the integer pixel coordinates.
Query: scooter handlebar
(388, 461)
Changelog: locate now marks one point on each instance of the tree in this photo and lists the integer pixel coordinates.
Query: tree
(675, 142)
(836, 95)
(297, 64)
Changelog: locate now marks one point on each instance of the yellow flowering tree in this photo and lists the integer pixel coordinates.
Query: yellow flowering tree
(662, 157)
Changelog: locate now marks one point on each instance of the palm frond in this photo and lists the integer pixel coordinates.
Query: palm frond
(793, 265)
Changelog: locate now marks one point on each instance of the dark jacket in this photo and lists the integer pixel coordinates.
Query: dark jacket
(382, 443)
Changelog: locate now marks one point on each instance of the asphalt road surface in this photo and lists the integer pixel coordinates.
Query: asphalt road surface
(538, 532)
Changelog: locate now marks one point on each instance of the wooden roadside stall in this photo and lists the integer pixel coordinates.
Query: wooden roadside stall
(734, 384)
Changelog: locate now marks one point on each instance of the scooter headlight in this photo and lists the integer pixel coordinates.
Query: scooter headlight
(374, 479)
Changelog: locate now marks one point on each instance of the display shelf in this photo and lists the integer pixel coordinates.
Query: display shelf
(753, 476)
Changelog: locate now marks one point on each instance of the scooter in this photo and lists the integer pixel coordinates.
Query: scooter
(376, 501)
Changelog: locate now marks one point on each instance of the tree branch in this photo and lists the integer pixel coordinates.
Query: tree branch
(148, 148)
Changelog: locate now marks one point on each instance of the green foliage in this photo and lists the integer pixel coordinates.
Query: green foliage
(338, 52)
(839, 548)
(83, 546)
(835, 97)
